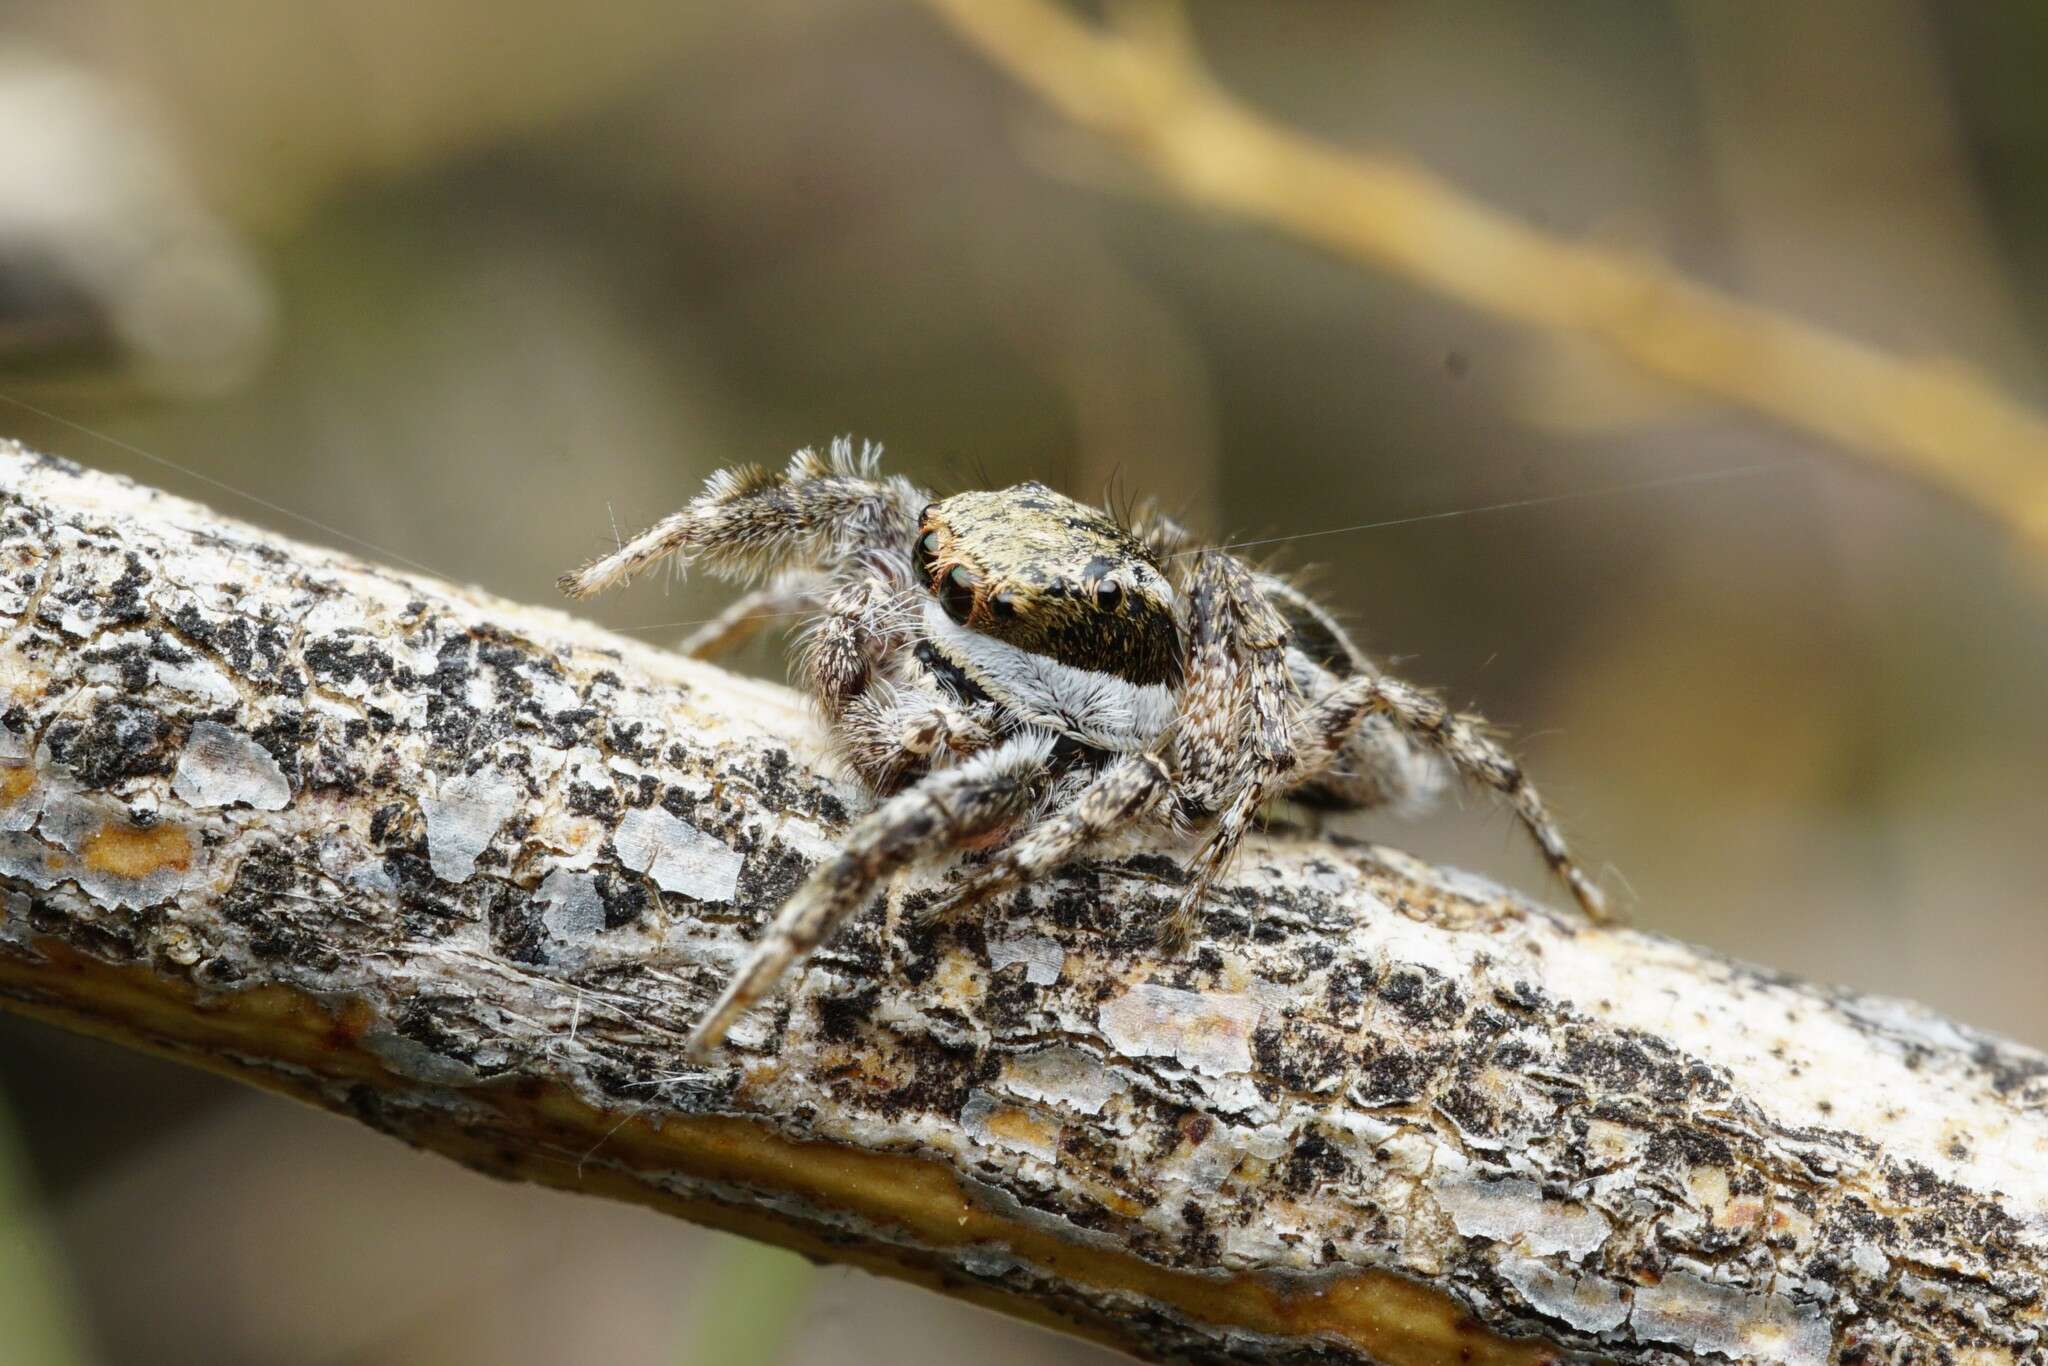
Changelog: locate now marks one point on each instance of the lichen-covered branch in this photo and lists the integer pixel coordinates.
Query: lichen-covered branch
(1139, 83)
(465, 871)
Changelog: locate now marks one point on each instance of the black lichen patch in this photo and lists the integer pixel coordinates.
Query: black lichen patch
(435, 1023)
(256, 652)
(565, 729)
(941, 1078)
(770, 874)
(1297, 1058)
(594, 801)
(628, 739)
(1199, 1246)
(1525, 996)
(625, 899)
(517, 932)
(1346, 989)
(281, 737)
(119, 740)
(922, 940)
(428, 908)
(841, 1018)
(1642, 1063)
(780, 791)
(2008, 1069)
(1011, 1005)
(1313, 1161)
(266, 900)
(342, 659)
(1476, 1112)
(392, 825)
(124, 604)
(1393, 1075)
(1423, 997)
(1677, 1147)
(133, 653)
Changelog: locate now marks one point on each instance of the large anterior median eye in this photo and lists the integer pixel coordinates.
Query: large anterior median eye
(922, 554)
(956, 595)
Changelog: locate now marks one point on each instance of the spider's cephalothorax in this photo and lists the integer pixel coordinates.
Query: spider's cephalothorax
(1018, 673)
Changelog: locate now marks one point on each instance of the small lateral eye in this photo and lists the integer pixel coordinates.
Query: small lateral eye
(956, 595)
(922, 552)
(1109, 595)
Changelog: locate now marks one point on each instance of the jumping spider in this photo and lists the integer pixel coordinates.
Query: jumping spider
(1018, 673)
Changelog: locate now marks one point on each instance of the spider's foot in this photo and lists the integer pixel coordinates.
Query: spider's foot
(958, 904)
(1177, 927)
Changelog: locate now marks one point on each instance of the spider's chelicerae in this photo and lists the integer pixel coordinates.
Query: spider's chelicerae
(1021, 674)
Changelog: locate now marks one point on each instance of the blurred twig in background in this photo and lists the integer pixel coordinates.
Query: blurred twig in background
(1140, 82)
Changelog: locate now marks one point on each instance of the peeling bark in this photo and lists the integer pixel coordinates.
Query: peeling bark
(466, 871)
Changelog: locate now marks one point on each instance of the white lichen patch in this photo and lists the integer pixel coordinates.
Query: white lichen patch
(223, 767)
(410, 1058)
(1705, 1318)
(1591, 1304)
(1207, 1032)
(1043, 958)
(807, 838)
(195, 677)
(678, 856)
(574, 911)
(1060, 1075)
(26, 859)
(464, 816)
(1512, 1210)
(1611, 1145)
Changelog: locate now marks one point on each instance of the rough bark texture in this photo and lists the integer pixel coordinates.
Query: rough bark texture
(465, 871)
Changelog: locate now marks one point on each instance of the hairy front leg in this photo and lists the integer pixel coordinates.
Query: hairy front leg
(1234, 743)
(820, 512)
(949, 810)
(1128, 791)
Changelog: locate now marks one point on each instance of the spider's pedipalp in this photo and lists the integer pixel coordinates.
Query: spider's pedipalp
(948, 810)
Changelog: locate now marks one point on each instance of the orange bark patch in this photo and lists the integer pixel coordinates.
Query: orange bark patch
(126, 851)
(1023, 1127)
(14, 782)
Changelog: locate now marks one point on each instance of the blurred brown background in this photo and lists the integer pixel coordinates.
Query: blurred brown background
(472, 282)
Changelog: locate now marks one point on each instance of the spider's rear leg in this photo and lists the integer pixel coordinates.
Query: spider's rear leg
(1127, 790)
(820, 512)
(1462, 741)
(748, 615)
(949, 809)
